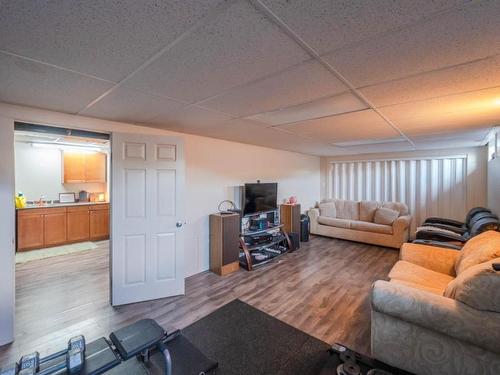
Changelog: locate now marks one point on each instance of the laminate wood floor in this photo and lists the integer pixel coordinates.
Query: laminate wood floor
(322, 289)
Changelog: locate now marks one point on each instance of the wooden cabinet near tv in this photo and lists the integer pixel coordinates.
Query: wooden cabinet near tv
(290, 217)
(81, 167)
(42, 227)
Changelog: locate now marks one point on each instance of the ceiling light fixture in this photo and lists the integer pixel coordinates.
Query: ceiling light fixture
(67, 147)
(497, 101)
(369, 142)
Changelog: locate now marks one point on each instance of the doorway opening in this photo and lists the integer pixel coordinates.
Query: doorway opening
(62, 221)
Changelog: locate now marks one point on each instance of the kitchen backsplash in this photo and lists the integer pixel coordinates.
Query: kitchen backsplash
(39, 172)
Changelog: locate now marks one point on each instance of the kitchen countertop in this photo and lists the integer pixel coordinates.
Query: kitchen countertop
(31, 207)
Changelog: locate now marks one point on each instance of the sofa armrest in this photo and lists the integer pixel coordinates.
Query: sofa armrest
(433, 258)
(401, 224)
(313, 214)
(436, 313)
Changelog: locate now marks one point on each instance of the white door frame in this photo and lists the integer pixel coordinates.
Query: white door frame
(7, 231)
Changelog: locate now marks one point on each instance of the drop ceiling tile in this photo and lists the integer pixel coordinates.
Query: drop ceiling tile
(379, 148)
(472, 110)
(472, 138)
(238, 46)
(337, 104)
(128, 105)
(189, 119)
(108, 39)
(303, 83)
(249, 132)
(466, 34)
(361, 125)
(38, 85)
(326, 25)
(463, 78)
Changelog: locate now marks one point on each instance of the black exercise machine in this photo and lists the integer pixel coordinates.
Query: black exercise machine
(156, 351)
(475, 214)
(453, 234)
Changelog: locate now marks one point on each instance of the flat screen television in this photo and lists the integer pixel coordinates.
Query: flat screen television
(260, 197)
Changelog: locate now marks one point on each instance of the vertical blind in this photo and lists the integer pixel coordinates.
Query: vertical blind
(429, 187)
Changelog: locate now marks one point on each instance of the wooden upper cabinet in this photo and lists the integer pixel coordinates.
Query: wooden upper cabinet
(74, 167)
(84, 167)
(95, 167)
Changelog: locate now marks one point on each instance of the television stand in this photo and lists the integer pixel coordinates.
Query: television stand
(262, 246)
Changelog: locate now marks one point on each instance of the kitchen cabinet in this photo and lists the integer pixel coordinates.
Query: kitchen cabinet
(78, 223)
(95, 167)
(54, 227)
(81, 167)
(40, 227)
(29, 230)
(99, 223)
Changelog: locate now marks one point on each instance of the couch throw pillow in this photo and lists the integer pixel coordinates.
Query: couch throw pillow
(385, 216)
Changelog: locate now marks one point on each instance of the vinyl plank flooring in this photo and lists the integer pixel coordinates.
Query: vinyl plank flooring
(322, 289)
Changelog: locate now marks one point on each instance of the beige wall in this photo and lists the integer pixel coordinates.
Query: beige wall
(476, 168)
(213, 169)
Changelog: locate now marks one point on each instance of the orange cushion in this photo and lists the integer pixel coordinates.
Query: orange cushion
(479, 249)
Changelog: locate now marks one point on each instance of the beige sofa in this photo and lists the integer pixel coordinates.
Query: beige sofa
(365, 221)
(440, 311)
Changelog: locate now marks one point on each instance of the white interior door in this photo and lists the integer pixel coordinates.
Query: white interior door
(147, 216)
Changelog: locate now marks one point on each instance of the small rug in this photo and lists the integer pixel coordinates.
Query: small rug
(245, 340)
(26, 256)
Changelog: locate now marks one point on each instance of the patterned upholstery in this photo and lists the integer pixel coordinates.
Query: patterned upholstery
(478, 286)
(430, 320)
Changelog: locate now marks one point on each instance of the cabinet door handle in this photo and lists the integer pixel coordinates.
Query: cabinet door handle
(178, 224)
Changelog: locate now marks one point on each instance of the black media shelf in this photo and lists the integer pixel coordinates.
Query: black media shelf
(276, 246)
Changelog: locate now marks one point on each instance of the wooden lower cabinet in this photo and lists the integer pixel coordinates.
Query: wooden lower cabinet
(54, 228)
(99, 224)
(29, 231)
(78, 224)
(44, 227)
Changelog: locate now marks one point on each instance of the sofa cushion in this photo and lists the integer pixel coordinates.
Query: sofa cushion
(412, 273)
(437, 291)
(385, 216)
(479, 249)
(478, 286)
(397, 206)
(347, 209)
(334, 222)
(327, 209)
(367, 210)
(371, 227)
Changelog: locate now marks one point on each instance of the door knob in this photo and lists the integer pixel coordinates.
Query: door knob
(178, 224)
